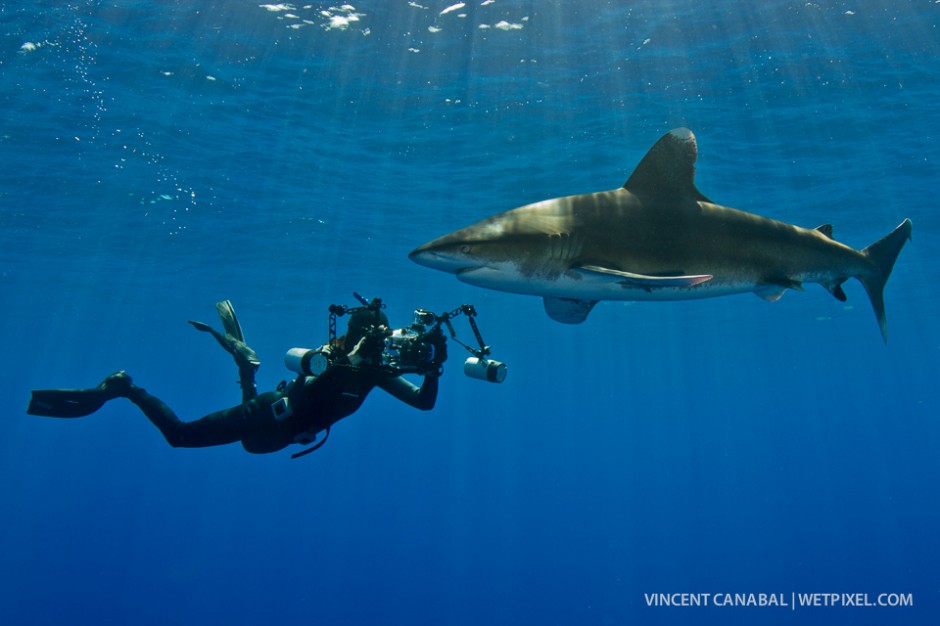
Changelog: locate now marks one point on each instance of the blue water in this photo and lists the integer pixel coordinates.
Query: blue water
(160, 156)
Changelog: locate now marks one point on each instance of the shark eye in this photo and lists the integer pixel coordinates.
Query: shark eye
(465, 249)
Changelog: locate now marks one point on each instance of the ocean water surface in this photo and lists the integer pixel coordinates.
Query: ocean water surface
(158, 157)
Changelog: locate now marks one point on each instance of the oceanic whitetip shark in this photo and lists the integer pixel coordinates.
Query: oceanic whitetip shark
(655, 238)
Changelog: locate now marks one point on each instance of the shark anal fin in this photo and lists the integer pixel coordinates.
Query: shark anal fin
(567, 310)
(835, 288)
(647, 282)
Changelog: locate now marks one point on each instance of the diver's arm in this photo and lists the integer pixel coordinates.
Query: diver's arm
(422, 398)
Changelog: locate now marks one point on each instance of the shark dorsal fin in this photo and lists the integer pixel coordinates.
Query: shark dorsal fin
(668, 169)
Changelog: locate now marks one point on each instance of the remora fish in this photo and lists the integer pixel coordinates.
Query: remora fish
(655, 238)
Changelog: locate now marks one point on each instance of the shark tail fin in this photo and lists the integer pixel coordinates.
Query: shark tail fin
(883, 254)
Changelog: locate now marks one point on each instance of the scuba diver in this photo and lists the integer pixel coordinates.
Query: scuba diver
(296, 412)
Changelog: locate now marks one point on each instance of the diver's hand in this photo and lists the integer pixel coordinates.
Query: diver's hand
(369, 347)
(440, 349)
(439, 342)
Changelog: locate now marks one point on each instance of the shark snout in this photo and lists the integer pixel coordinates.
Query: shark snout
(438, 258)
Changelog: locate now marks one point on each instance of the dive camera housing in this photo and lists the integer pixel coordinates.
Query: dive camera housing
(415, 349)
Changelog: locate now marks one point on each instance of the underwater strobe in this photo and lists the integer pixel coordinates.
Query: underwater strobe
(410, 350)
(480, 366)
(306, 361)
(485, 369)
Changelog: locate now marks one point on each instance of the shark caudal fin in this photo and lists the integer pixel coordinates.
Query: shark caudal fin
(883, 254)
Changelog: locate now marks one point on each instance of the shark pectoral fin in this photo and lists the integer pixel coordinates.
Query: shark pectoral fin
(773, 290)
(648, 282)
(568, 311)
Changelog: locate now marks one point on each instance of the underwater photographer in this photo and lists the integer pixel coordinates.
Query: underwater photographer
(332, 381)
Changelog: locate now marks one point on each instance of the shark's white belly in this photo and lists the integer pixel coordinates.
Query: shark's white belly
(577, 285)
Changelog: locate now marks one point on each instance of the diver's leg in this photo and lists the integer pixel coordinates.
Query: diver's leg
(252, 423)
(246, 380)
(246, 376)
(216, 429)
(222, 427)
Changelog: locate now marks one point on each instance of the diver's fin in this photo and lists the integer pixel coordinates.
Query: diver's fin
(208, 329)
(65, 402)
(79, 402)
(229, 321)
(233, 341)
(203, 327)
(243, 354)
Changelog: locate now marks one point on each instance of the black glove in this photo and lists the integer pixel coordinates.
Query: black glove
(370, 347)
(374, 342)
(438, 343)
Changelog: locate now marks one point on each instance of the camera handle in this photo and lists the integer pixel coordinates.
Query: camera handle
(470, 312)
(339, 310)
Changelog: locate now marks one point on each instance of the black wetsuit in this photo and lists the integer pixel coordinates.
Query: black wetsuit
(306, 406)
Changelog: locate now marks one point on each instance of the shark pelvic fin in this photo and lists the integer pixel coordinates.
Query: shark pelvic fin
(774, 289)
(567, 310)
(668, 169)
(771, 293)
(647, 282)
